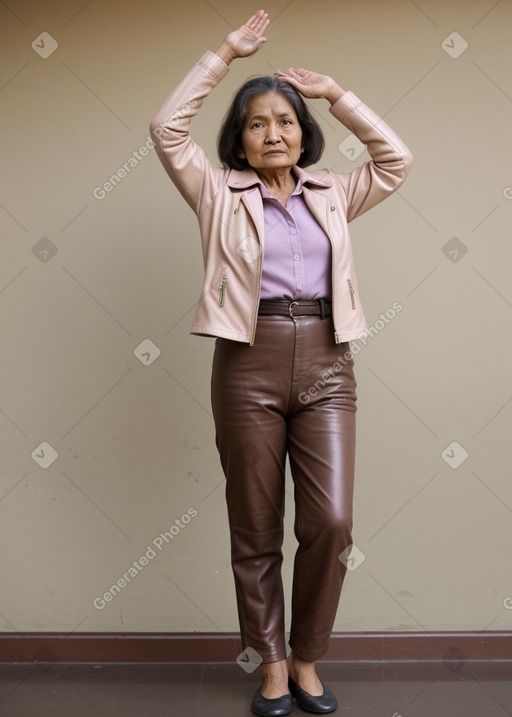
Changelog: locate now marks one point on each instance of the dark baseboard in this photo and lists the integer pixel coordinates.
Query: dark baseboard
(45, 647)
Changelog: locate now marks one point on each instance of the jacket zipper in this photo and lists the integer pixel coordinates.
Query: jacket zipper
(333, 264)
(255, 315)
(351, 289)
(222, 290)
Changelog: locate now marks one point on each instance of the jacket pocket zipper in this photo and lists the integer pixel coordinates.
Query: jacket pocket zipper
(222, 290)
(351, 289)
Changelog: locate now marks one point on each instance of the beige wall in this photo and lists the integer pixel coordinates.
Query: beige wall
(135, 442)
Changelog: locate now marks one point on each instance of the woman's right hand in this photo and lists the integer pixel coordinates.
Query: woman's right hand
(246, 40)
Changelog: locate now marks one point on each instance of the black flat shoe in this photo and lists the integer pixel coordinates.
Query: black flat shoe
(271, 707)
(310, 703)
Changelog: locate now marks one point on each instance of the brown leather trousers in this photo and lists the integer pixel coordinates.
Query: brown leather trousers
(292, 392)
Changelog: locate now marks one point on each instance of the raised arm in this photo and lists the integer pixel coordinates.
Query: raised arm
(184, 161)
(391, 161)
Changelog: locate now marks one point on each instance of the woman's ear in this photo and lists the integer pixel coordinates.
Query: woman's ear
(241, 154)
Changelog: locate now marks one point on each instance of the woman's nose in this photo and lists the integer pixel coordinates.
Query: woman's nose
(272, 134)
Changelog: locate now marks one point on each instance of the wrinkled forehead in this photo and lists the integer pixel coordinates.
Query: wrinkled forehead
(269, 104)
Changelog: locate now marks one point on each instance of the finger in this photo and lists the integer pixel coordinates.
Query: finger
(298, 72)
(292, 81)
(258, 22)
(292, 72)
(262, 24)
(254, 18)
(289, 73)
(284, 77)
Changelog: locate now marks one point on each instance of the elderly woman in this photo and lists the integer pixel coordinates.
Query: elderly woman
(281, 297)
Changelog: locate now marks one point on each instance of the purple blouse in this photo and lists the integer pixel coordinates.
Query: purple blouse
(297, 257)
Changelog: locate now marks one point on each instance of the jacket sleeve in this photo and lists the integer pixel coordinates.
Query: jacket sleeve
(184, 161)
(391, 161)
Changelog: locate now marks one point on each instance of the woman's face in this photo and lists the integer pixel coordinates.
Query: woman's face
(272, 135)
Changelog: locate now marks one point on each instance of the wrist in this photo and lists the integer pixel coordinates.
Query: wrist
(334, 93)
(226, 53)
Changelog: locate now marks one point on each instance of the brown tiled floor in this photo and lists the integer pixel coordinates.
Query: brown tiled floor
(393, 689)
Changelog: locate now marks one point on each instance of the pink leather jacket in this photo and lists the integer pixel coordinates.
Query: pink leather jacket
(229, 208)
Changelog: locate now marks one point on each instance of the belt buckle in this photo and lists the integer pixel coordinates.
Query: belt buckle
(291, 306)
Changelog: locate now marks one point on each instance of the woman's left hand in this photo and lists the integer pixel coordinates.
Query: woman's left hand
(311, 84)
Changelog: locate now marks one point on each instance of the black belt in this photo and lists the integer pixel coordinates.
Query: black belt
(283, 307)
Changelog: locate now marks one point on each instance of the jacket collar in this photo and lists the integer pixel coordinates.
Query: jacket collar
(242, 179)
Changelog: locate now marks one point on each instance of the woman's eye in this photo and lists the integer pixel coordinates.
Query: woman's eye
(256, 125)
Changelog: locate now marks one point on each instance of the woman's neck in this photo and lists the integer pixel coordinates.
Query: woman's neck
(280, 183)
